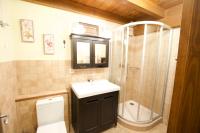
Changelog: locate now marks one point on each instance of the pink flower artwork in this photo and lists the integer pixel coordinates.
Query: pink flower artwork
(48, 44)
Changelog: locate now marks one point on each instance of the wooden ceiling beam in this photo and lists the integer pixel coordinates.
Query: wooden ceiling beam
(148, 7)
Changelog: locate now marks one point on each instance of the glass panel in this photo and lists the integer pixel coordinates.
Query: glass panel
(124, 66)
(142, 75)
(83, 53)
(162, 72)
(148, 71)
(136, 39)
(100, 53)
(116, 57)
(117, 65)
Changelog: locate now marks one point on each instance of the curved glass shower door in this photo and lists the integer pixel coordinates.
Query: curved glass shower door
(139, 64)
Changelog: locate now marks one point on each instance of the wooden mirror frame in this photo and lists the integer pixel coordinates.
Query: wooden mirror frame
(92, 40)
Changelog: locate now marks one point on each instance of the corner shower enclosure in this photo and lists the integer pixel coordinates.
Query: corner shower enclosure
(140, 58)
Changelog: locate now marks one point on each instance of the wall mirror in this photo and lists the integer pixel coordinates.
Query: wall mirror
(100, 53)
(83, 53)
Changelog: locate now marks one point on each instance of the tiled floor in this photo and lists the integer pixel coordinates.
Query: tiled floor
(160, 128)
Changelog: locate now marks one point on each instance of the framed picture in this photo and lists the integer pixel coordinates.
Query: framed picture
(49, 46)
(27, 32)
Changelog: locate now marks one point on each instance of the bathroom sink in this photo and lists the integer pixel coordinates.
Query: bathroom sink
(96, 87)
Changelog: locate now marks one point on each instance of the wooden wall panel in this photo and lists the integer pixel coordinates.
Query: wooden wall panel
(173, 16)
(169, 3)
(185, 109)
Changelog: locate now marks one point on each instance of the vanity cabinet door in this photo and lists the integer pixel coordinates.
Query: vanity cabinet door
(89, 113)
(108, 110)
(94, 114)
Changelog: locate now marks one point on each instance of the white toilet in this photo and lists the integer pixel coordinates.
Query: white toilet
(50, 115)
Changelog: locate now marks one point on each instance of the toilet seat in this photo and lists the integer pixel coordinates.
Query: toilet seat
(58, 127)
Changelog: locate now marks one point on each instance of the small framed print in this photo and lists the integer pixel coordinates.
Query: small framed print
(49, 46)
(27, 31)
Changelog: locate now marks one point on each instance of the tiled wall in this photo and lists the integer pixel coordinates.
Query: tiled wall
(38, 76)
(35, 77)
(7, 95)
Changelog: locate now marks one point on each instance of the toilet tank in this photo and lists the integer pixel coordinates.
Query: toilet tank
(50, 110)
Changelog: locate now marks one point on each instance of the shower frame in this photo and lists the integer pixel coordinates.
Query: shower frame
(125, 42)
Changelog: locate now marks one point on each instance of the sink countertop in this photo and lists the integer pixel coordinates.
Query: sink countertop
(96, 87)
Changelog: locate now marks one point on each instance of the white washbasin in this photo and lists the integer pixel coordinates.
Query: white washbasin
(96, 87)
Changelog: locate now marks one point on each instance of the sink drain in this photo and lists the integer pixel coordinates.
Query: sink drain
(132, 104)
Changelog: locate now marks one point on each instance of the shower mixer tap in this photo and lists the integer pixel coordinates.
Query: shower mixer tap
(3, 24)
(4, 119)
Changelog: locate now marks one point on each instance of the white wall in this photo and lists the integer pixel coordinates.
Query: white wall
(46, 20)
(6, 37)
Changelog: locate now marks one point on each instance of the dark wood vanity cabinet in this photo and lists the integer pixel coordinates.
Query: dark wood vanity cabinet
(89, 51)
(94, 114)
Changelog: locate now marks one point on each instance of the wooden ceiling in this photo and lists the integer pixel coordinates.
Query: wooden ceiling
(121, 11)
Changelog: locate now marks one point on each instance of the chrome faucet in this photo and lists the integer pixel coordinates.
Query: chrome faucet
(90, 80)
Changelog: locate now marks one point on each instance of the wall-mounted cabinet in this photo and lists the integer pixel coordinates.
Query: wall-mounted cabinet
(89, 51)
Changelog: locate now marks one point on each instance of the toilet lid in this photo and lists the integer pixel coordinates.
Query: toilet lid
(58, 127)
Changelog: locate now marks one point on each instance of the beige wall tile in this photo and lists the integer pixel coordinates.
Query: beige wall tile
(35, 77)
(38, 76)
(7, 95)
